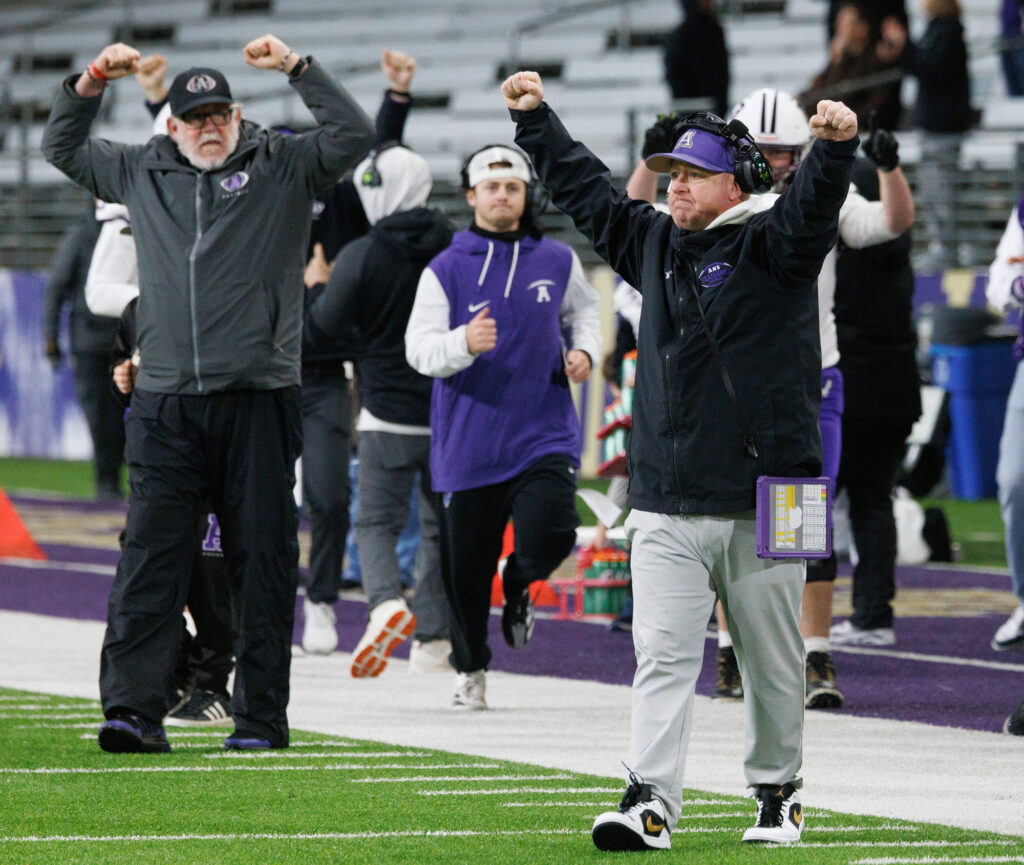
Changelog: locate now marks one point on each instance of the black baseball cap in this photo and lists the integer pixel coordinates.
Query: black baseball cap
(198, 86)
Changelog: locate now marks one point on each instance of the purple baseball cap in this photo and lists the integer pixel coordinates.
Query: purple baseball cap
(696, 147)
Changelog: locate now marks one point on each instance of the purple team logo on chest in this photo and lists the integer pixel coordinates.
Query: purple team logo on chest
(235, 182)
(715, 274)
(211, 540)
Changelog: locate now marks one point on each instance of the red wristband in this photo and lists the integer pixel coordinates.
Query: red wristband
(95, 73)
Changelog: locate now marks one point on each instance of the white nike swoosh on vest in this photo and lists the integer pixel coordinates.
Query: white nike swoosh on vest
(473, 307)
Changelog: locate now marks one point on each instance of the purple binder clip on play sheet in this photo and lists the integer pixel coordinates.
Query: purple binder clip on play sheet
(794, 518)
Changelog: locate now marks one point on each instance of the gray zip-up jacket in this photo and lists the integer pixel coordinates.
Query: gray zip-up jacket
(221, 253)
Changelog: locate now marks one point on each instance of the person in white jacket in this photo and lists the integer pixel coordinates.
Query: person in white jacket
(1005, 292)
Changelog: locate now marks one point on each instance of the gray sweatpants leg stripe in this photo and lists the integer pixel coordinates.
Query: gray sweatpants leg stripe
(679, 564)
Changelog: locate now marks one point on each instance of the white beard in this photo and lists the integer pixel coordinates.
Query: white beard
(207, 163)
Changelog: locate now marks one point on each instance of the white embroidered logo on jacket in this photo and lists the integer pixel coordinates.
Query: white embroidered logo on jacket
(542, 286)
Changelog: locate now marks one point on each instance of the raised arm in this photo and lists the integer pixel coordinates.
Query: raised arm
(100, 166)
(802, 225)
(344, 134)
(399, 68)
(579, 183)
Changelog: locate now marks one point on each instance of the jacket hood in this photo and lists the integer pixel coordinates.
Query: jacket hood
(745, 210)
(392, 179)
(420, 233)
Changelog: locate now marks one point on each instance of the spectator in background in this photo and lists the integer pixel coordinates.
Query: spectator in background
(91, 338)
(943, 113)
(1005, 291)
(696, 57)
(1012, 53)
(853, 55)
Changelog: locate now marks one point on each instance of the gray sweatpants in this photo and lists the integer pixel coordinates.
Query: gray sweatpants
(679, 564)
(388, 463)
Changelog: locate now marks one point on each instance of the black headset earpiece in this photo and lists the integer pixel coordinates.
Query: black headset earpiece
(371, 174)
(752, 171)
(537, 197)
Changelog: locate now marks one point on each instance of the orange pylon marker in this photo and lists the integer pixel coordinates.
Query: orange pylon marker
(15, 540)
(541, 593)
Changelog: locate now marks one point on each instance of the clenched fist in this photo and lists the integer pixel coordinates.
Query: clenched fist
(117, 61)
(268, 51)
(523, 91)
(833, 122)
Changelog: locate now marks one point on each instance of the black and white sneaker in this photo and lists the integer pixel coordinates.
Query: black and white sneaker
(1014, 725)
(202, 709)
(517, 619)
(780, 818)
(639, 824)
(1011, 632)
(820, 691)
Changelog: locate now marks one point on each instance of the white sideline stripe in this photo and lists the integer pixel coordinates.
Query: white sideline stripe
(82, 567)
(279, 753)
(603, 803)
(93, 726)
(891, 860)
(515, 791)
(913, 656)
(931, 659)
(49, 707)
(28, 716)
(561, 776)
(315, 767)
(917, 844)
(299, 836)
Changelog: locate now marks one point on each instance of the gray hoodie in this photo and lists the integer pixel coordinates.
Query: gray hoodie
(221, 252)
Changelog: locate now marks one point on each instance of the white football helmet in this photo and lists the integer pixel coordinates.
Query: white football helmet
(776, 122)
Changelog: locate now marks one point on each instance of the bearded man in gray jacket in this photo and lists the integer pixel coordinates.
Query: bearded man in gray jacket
(221, 217)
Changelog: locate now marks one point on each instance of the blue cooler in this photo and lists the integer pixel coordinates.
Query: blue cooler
(977, 378)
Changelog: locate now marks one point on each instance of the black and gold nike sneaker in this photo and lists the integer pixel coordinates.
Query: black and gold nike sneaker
(639, 824)
(780, 817)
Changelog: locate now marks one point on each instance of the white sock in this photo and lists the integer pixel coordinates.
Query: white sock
(817, 644)
(724, 640)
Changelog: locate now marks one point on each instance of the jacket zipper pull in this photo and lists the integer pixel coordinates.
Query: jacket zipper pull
(751, 448)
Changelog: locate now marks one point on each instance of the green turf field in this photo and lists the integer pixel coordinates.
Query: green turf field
(328, 799)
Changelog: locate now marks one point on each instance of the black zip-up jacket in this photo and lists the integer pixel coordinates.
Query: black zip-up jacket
(757, 283)
(372, 288)
(221, 252)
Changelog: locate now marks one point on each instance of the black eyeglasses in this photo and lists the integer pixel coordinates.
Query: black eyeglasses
(219, 118)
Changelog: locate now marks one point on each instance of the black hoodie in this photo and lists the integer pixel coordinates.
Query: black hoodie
(372, 289)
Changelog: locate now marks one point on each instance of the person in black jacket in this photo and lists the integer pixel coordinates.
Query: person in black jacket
(943, 113)
(696, 57)
(882, 400)
(372, 288)
(338, 218)
(91, 337)
(728, 388)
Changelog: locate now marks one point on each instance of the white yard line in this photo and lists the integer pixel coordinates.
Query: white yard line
(890, 860)
(299, 836)
(50, 565)
(312, 767)
(894, 770)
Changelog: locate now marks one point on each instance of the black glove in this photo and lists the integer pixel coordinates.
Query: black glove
(54, 355)
(881, 146)
(659, 138)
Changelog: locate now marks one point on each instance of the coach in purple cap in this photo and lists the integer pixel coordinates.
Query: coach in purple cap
(221, 218)
(727, 389)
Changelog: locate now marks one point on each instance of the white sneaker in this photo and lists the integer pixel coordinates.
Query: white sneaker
(845, 633)
(780, 818)
(469, 691)
(1011, 632)
(391, 623)
(430, 656)
(319, 636)
(639, 824)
